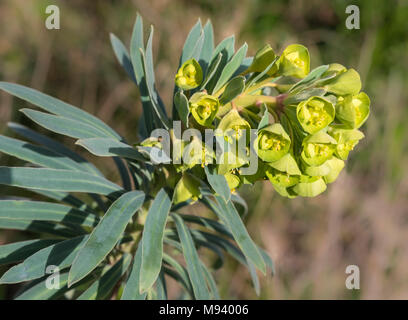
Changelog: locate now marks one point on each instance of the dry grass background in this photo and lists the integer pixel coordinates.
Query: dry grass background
(362, 219)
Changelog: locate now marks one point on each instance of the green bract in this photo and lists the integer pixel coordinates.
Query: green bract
(353, 110)
(204, 108)
(187, 188)
(263, 58)
(346, 82)
(234, 126)
(335, 165)
(346, 140)
(190, 75)
(294, 61)
(318, 148)
(315, 113)
(272, 143)
(309, 186)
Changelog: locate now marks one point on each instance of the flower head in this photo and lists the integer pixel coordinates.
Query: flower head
(294, 61)
(314, 114)
(272, 143)
(190, 75)
(204, 108)
(346, 140)
(318, 148)
(353, 110)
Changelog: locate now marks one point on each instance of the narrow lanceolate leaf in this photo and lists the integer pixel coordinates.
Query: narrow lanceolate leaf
(226, 47)
(122, 55)
(53, 145)
(64, 197)
(38, 227)
(131, 291)
(208, 46)
(61, 255)
(57, 107)
(46, 211)
(102, 288)
(123, 172)
(231, 67)
(191, 41)
(193, 262)
(180, 273)
(62, 125)
(234, 88)
(41, 156)
(40, 291)
(152, 240)
(105, 235)
(18, 251)
(212, 70)
(230, 217)
(181, 104)
(218, 183)
(211, 282)
(314, 75)
(105, 147)
(56, 180)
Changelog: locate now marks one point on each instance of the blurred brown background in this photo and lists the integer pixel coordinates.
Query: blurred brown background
(361, 220)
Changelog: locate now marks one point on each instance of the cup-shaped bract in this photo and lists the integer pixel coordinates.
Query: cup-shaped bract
(346, 82)
(318, 148)
(335, 165)
(187, 188)
(233, 180)
(309, 186)
(263, 58)
(190, 75)
(294, 61)
(233, 126)
(353, 110)
(272, 143)
(315, 113)
(204, 108)
(346, 139)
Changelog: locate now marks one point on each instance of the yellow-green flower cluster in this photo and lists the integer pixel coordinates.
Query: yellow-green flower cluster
(306, 122)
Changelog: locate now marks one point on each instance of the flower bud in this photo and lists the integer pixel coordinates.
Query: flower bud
(346, 82)
(190, 75)
(353, 110)
(263, 58)
(318, 148)
(294, 61)
(187, 188)
(346, 140)
(272, 143)
(315, 113)
(204, 108)
(309, 186)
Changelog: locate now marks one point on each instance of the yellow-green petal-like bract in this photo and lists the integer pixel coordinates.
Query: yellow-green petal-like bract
(346, 139)
(309, 186)
(204, 108)
(315, 113)
(272, 143)
(294, 61)
(190, 75)
(187, 188)
(346, 82)
(318, 148)
(335, 165)
(353, 110)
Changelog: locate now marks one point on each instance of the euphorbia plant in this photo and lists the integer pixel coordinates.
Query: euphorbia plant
(124, 241)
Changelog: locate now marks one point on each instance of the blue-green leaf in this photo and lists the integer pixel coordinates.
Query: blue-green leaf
(56, 180)
(101, 288)
(122, 55)
(181, 103)
(131, 291)
(152, 240)
(62, 125)
(105, 147)
(208, 46)
(231, 67)
(38, 227)
(218, 183)
(193, 262)
(46, 211)
(57, 107)
(61, 255)
(190, 43)
(234, 88)
(105, 235)
(18, 251)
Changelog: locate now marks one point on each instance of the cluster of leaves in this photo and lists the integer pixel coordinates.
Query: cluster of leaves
(110, 240)
(306, 122)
